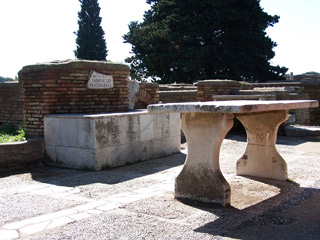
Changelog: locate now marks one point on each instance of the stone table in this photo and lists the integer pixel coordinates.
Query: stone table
(205, 125)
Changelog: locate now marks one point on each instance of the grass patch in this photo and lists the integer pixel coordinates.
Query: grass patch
(10, 133)
(86, 169)
(194, 199)
(107, 167)
(290, 180)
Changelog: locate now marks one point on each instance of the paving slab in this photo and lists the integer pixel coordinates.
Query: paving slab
(136, 201)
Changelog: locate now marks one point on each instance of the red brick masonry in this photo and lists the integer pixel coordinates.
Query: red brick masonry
(11, 104)
(60, 87)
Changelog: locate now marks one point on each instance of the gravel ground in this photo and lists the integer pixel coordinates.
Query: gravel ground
(260, 208)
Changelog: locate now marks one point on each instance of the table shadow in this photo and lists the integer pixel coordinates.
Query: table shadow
(294, 213)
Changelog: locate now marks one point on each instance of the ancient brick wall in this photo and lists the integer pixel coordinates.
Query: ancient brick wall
(171, 93)
(310, 116)
(313, 90)
(147, 95)
(150, 93)
(11, 104)
(60, 87)
(302, 91)
(178, 96)
(208, 88)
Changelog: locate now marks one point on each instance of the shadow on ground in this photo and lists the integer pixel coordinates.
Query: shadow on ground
(260, 208)
(294, 213)
(74, 178)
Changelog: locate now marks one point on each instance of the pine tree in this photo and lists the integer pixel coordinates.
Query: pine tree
(91, 44)
(188, 40)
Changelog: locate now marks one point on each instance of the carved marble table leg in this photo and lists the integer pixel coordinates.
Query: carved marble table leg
(201, 177)
(261, 158)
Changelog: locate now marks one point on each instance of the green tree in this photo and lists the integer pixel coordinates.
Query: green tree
(187, 40)
(314, 73)
(91, 44)
(3, 79)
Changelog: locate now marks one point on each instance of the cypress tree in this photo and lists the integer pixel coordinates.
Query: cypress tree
(91, 44)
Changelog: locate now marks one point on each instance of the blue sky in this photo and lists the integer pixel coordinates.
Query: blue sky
(42, 30)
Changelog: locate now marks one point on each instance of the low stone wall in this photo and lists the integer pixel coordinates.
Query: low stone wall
(109, 140)
(61, 87)
(313, 90)
(306, 90)
(291, 91)
(171, 93)
(208, 88)
(13, 155)
(178, 96)
(11, 104)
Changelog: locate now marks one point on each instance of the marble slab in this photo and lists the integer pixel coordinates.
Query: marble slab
(234, 106)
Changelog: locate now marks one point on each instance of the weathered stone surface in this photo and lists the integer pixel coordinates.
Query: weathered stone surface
(244, 97)
(133, 91)
(108, 140)
(239, 106)
(201, 177)
(99, 81)
(13, 155)
(261, 158)
(220, 81)
(70, 64)
(205, 125)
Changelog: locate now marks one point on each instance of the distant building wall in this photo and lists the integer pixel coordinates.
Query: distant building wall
(150, 93)
(313, 90)
(307, 77)
(172, 93)
(178, 96)
(298, 91)
(11, 104)
(208, 88)
(61, 89)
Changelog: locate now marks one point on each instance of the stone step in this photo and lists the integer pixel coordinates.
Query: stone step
(302, 131)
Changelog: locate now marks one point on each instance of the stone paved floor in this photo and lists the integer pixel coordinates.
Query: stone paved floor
(136, 201)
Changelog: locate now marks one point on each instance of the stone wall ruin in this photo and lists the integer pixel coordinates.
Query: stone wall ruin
(61, 87)
(11, 112)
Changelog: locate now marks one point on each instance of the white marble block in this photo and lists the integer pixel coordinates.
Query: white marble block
(101, 141)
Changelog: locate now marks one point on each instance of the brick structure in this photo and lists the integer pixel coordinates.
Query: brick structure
(208, 88)
(178, 96)
(171, 93)
(292, 91)
(11, 104)
(60, 87)
(313, 90)
(147, 95)
(310, 89)
(150, 93)
(306, 77)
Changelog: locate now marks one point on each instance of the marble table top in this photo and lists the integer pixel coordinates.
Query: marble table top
(234, 106)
